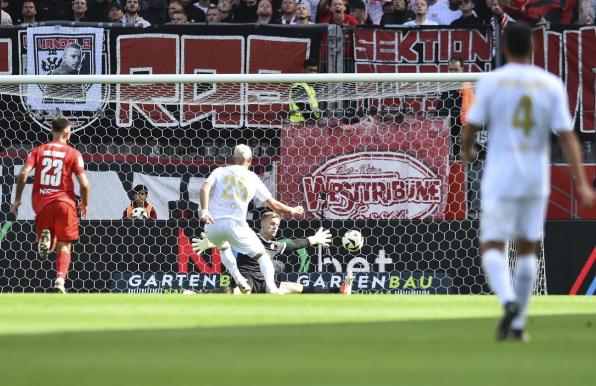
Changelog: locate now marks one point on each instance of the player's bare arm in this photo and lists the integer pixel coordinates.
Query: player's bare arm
(204, 198)
(85, 191)
(21, 182)
(282, 208)
(468, 151)
(572, 151)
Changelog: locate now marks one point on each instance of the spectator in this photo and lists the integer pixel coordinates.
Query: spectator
(468, 19)
(98, 10)
(482, 10)
(421, 12)
(178, 18)
(338, 15)
(304, 105)
(28, 13)
(213, 14)
(139, 200)
(303, 14)
(132, 17)
(498, 15)
(175, 6)
(373, 8)
(312, 7)
(587, 12)
(288, 12)
(51, 10)
(115, 14)
(194, 14)
(5, 19)
(79, 10)
(225, 8)
(498, 22)
(247, 12)
(265, 13)
(400, 14)
(323, 12)
(358, 11)
(440, 13)
(154, 11)
(8, 13)
(387, 8)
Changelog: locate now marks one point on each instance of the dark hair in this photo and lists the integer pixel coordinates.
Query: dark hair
(357, 4)
(517, 37)
(59, 124)
(310, 62)
(140, 188)
(457, 58)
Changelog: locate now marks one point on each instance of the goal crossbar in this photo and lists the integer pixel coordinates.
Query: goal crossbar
(238, 78)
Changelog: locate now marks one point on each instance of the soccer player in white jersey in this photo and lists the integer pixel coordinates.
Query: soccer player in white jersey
(224, 203)
(520, 104)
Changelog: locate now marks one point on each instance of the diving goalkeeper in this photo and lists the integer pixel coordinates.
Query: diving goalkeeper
(249, 268)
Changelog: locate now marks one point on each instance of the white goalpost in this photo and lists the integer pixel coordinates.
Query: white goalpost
(373, 152)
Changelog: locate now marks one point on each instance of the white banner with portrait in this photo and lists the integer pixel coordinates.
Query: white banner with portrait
(61, 50)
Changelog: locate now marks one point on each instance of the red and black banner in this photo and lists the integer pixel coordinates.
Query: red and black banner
(185, 49)
(567, 51)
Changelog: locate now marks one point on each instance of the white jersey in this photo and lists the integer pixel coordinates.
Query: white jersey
(520, 104)
(233, 187)
(441, 14)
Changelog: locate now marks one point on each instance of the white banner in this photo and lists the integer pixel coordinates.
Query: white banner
(109, 199)
(61, 50)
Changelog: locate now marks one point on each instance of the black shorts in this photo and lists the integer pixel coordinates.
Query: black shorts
(257, 285)
(255, 281)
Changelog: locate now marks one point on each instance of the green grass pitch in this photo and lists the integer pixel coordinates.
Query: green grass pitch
(292, 340)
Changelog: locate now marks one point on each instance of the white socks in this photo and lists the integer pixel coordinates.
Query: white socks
(525, 276)
(268, 271)
(229, 261)
(497, 272)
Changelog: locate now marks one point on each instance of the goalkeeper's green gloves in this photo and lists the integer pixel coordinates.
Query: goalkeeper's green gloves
(202, 244)
(322, 237)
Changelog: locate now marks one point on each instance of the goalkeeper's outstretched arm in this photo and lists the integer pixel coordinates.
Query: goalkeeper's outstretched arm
(321, 237)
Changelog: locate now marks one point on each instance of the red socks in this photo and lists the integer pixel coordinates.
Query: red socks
(62, 264)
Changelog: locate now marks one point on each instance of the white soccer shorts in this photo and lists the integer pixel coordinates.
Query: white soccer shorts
(508, 219)
(240, 236)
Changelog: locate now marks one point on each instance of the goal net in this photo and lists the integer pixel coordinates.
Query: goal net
(373, 152)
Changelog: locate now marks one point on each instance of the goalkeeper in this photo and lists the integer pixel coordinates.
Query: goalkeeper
(249, 268)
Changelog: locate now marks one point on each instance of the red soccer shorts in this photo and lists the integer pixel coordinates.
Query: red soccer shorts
(61, 219)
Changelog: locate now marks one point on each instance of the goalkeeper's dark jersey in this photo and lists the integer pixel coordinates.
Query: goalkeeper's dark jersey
(250, 267)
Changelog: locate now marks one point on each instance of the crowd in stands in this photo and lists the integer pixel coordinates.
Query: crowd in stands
(456, 13)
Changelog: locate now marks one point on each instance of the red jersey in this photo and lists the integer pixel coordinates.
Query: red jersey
(54, 165)
(348, 19)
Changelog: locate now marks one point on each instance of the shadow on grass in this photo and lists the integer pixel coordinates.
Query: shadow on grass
(452, 352)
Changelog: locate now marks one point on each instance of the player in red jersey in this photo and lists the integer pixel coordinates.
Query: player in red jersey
(53, 198)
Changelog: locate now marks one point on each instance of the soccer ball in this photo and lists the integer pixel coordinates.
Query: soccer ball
(352, 240)
(139, 214)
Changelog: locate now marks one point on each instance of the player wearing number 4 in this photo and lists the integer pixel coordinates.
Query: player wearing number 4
(224, 201)
(53, 197)
(521, 104)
